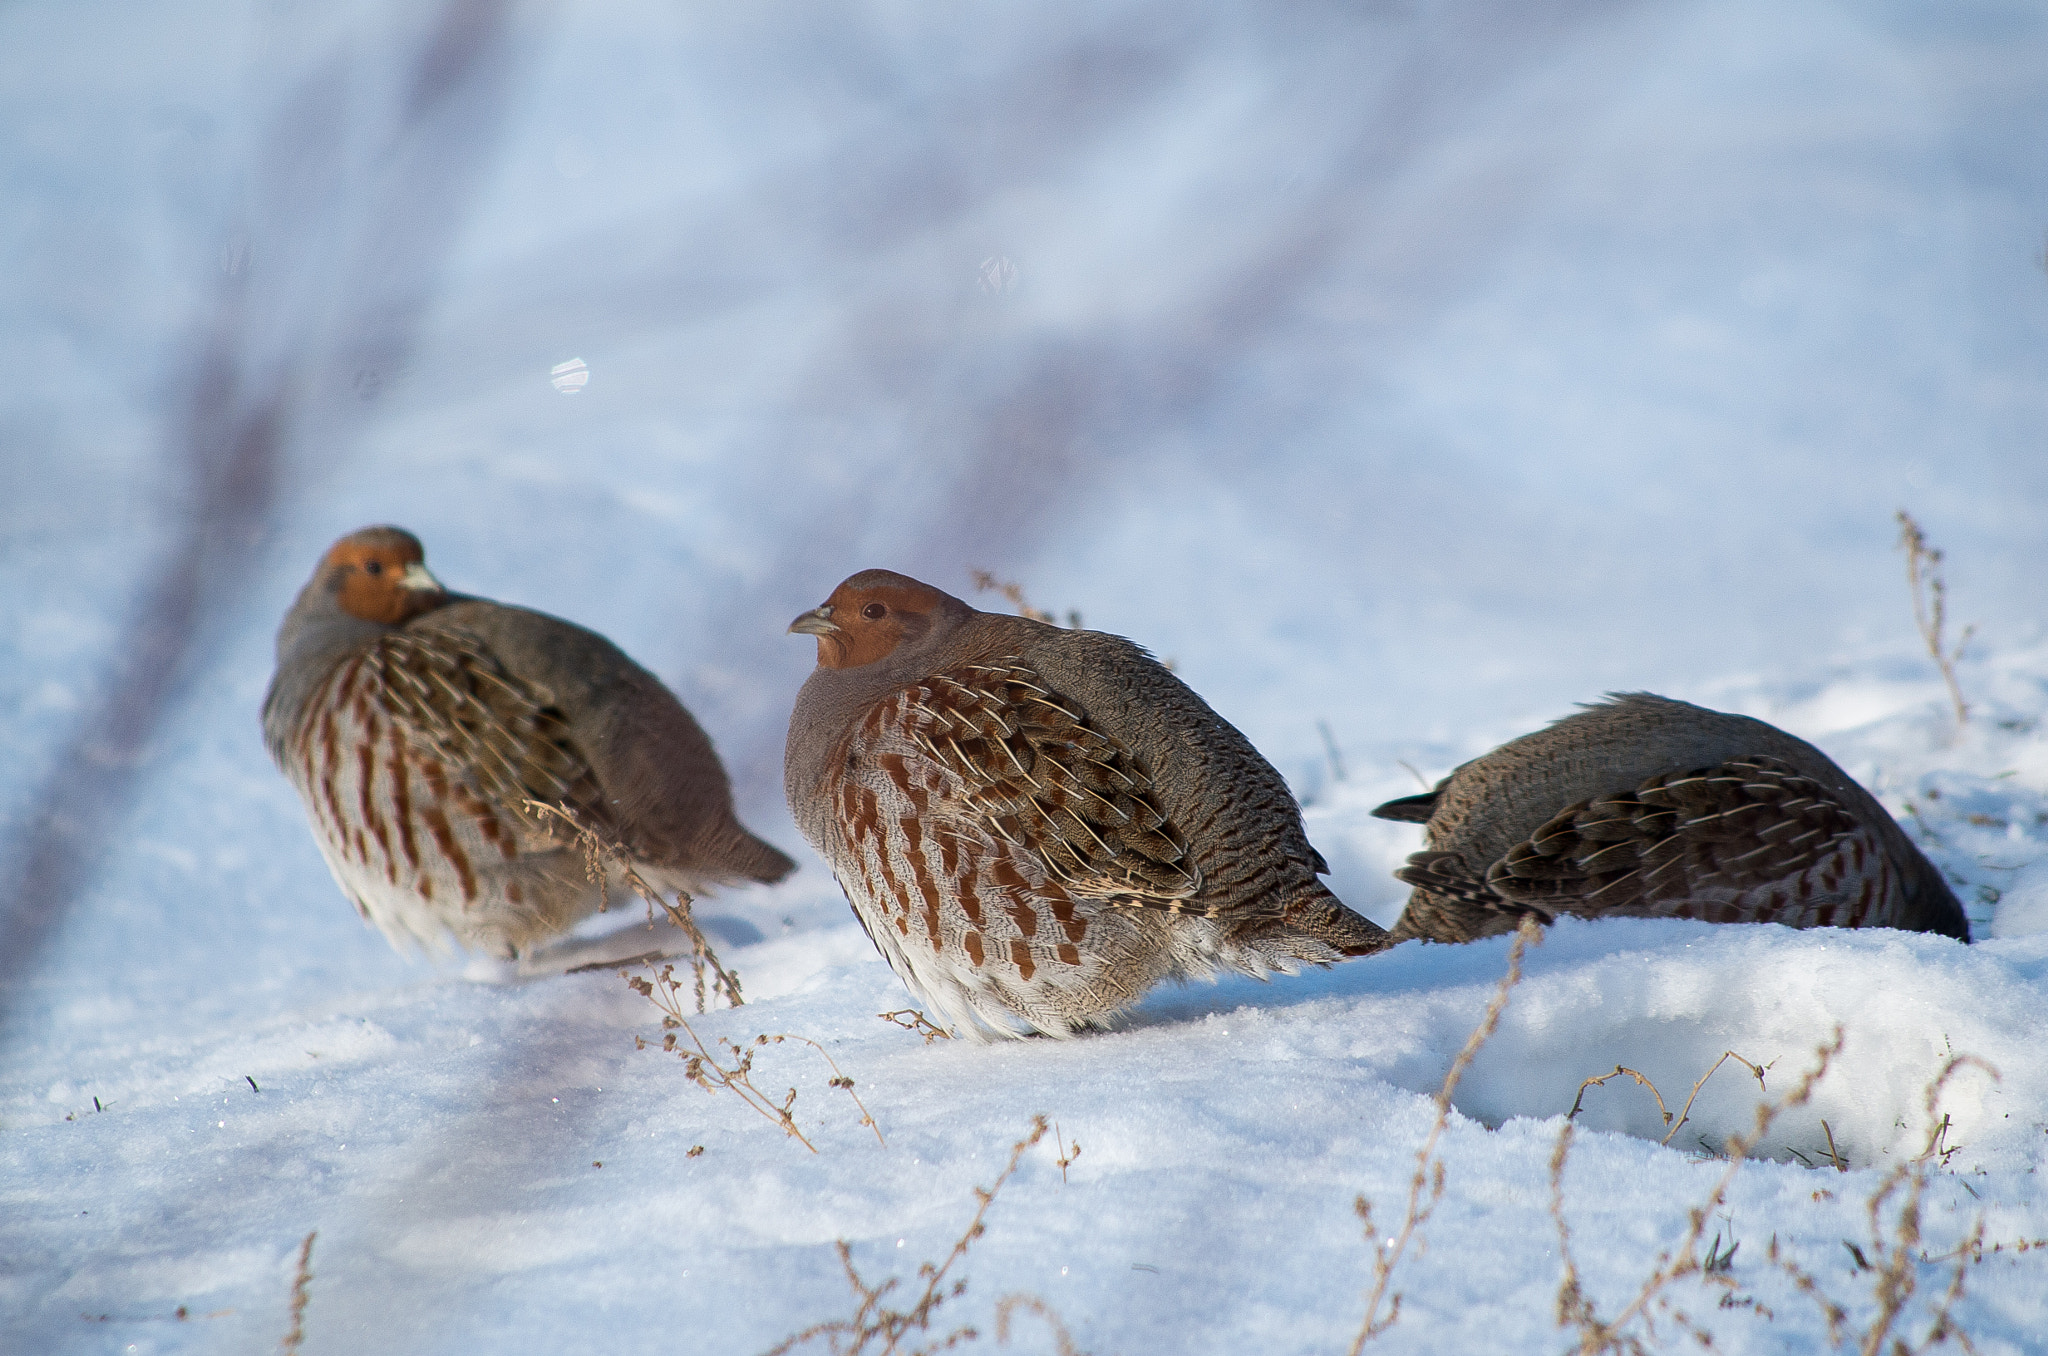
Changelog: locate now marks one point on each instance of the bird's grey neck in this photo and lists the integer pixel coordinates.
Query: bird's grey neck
(831, 704)
(309, 644)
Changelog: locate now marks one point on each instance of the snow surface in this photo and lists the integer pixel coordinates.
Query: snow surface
(1410, 369)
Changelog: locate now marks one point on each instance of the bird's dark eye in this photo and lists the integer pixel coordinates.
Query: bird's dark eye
(374, 567)
(874, 612)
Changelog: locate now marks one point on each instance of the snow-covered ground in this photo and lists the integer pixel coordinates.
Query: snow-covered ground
(1413, 370)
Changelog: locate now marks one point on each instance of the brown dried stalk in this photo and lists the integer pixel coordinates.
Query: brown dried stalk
(1806, 1284)
(910, 1019)
(601, 856)
(1429, 1170)
(1893, 1250)
(702, 1067)
(1930, 608)
(1063, 1344)
(1066, 1155)
(1576, 1310)
(301, 1282)
(873, 1322)
(2016, 1245)
(984, 581)
(1834, 1154)
(1943, 1327)
(1600, 1079)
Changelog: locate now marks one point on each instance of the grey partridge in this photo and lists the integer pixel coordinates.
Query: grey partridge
(417, 723)
(1036, 825)
(1645, 807)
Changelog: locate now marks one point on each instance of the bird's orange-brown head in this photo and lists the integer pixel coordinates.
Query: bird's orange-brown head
(872, 615)
(380, 575)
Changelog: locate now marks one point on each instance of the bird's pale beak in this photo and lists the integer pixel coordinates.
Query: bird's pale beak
(817, 622)
(417, 579)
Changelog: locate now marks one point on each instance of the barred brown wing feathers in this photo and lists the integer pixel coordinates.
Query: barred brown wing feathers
(1039, 776)
(450, 695)
(1446, 875)
(1749, 839)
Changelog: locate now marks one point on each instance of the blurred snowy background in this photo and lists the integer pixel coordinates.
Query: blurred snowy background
(1414, 368)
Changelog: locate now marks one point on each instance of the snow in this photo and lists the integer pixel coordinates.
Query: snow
(1414, 370)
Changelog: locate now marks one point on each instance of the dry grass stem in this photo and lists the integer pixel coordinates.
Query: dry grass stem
(985, 581)
(1894, 1247)
(910, 1019)
(1892, 1255)
(1672, 1127)
(1930, 608)
(602, 856)
(875, 1328)
(1066, 1155)
(1063, 1344)
(1833, 1153)
(1426, 1188)
(301, 1281)
(703, 1068)
(1575, 1309)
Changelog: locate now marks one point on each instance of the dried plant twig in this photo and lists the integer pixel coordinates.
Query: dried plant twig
(1598, 1080)
(1930, 608)
(1426, 1188)
(910, 1019)
(301, 1281)
(1686, 1111)
(1066, 1155)
(602, 856)
(1895, 1246)
(873, 1322)
(1063, 1344)
(985, 581)
(1833, 1153)
(703, 1068)
(1575, 1309)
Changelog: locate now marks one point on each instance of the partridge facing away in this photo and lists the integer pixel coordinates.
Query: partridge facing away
(1644, 807)
(416, 722)
(1036, 825)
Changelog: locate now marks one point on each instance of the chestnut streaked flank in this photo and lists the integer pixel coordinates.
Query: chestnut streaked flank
(1645, 807)
(415, 722)
(1036, 825)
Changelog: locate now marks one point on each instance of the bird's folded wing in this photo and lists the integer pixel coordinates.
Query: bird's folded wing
(450, 695)
(1034, 773)
(1448, 876)
(1747, 839)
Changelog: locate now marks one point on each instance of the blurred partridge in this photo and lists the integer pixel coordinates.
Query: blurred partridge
(1643, 807)
(1036, 825)
(416, 722)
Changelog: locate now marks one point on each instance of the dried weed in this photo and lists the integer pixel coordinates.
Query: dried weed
(302, 1279)
(1063, 1344)
(910, 1019)
(601, 856)
(1576, 1310)
(703, 1068)
(1599, 1080)
(878, 1329)
(985, 581)
(1426, 1188)
(1930, 608)
(1893, 1252)
(1891, 1256)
